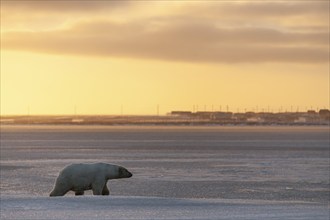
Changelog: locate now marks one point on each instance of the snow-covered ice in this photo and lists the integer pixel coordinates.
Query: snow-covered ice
(179, 172)
(98, 207)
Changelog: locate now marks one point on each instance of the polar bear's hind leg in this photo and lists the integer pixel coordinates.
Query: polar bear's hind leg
(59, 192)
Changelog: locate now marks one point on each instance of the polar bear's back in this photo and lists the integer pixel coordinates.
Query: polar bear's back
(80, 176)
(83, 170)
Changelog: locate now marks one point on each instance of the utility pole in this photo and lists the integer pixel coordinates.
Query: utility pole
(28, 119)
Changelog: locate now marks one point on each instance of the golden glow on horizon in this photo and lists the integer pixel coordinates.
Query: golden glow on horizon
(58, 84)
(41, 76)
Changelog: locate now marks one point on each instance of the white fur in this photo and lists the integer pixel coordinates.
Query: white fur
(81, 177)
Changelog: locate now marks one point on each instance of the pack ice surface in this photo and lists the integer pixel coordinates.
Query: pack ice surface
(179, 172)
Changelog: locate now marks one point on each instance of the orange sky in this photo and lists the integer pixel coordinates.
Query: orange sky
(113, 57)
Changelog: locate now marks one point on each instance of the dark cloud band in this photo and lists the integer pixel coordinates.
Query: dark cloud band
(212, 32)
(181, 42)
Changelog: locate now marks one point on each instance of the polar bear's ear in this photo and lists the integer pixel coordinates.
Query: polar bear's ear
(124, 173)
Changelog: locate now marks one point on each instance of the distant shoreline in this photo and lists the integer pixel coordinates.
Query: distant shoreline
(170, 120)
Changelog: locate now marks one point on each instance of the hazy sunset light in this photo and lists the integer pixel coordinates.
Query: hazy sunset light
(140, 57)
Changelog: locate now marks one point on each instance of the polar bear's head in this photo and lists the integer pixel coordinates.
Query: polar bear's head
(124, 173)
(113, 171)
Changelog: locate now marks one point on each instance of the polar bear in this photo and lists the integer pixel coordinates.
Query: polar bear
(82, 176)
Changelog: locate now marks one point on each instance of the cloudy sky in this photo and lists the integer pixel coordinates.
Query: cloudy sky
(112, 57)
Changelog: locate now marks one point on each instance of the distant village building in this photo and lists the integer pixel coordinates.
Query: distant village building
(204, 115)
(255, 120)
(300, 120)
(311, 112)
(181, 113)
(222, 115)
(324, 114)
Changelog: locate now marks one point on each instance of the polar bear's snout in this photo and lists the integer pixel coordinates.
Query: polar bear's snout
(124, 173)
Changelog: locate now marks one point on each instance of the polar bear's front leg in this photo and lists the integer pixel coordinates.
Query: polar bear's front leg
(97, 187)
(105, 191)
(61, 188)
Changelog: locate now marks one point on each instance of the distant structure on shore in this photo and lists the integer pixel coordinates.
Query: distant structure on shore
(311, 117)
